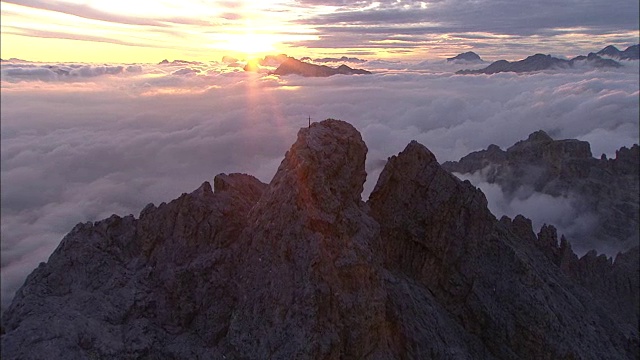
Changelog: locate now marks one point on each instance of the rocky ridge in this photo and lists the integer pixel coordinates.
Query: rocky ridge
(303, 268)
(605, 187)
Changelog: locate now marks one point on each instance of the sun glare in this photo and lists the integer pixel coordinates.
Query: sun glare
(250, 43)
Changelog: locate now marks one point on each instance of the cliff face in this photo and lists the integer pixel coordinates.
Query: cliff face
(303, 268)
(605, 187)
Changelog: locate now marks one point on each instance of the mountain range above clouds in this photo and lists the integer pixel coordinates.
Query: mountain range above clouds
(287, 65)
(600, 189)
(539, 62)
(13, 69)
(342, 59)
(630, 53)
(303, 268)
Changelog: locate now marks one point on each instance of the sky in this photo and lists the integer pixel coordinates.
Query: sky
(146, 31)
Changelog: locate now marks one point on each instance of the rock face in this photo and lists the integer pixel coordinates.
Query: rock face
(607, 188)
(468, 56)
(297, 67)
(539, 62)
(302, 268)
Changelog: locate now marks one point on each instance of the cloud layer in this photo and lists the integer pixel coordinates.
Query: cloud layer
(80, 142)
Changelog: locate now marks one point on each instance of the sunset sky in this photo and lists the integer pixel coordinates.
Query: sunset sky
(149, 31)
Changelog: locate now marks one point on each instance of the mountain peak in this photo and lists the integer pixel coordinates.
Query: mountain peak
(539, 136)
(468, 56)
(327, 160)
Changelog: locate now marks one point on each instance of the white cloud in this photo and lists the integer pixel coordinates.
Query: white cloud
(78, 149)
(566, 213)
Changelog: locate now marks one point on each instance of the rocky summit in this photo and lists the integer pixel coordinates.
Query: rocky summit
(302, 268)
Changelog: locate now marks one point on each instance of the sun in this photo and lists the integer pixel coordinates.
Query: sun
(254, 32)
(251, 43)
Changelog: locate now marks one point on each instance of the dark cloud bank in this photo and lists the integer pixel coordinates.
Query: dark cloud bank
(80, 142)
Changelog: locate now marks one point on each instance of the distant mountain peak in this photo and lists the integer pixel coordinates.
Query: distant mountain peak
(539, 135)
(468, 56)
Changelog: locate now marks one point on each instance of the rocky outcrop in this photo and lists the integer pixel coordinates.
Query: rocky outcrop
(539, 62)
(605, 187)
(466, 57)
(293, 66)
(303, 268)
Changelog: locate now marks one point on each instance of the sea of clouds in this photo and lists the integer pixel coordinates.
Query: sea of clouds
(80, 142)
